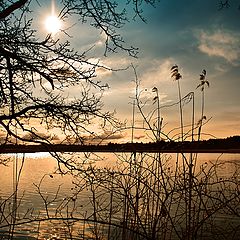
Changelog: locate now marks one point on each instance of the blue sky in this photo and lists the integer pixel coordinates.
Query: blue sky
(193, 34)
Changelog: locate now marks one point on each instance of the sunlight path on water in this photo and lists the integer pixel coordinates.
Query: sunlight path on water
(42, 166)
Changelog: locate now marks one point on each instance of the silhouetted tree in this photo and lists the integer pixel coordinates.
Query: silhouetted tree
(226, 4)
(35, 74)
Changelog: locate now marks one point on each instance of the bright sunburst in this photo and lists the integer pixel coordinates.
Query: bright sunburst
(53, 24)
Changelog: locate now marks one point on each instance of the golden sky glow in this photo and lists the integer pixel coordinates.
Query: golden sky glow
(187, 39)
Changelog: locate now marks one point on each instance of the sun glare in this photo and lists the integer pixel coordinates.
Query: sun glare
(53, 24)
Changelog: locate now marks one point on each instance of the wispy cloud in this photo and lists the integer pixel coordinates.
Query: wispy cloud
(156, 75)
(158, 72)
(220, 43)
(103, 137)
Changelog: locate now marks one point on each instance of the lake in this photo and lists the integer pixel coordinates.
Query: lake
(44, 195)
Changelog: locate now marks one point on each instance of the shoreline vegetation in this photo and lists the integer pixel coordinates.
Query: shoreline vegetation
(227, 145)
(47, 88)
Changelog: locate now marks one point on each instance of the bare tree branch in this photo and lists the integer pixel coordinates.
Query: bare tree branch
(6, 12)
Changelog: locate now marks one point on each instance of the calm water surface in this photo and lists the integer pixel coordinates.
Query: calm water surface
(42, 167)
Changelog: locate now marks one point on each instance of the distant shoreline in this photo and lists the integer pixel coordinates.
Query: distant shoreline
(161, 147)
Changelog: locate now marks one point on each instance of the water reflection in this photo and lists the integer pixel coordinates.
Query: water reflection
(43, 192)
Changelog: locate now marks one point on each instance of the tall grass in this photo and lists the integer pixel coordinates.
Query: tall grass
(143, 196)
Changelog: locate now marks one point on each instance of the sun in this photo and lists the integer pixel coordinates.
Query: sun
(53, 24)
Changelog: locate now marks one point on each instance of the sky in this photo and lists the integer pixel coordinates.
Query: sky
(195, 35)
